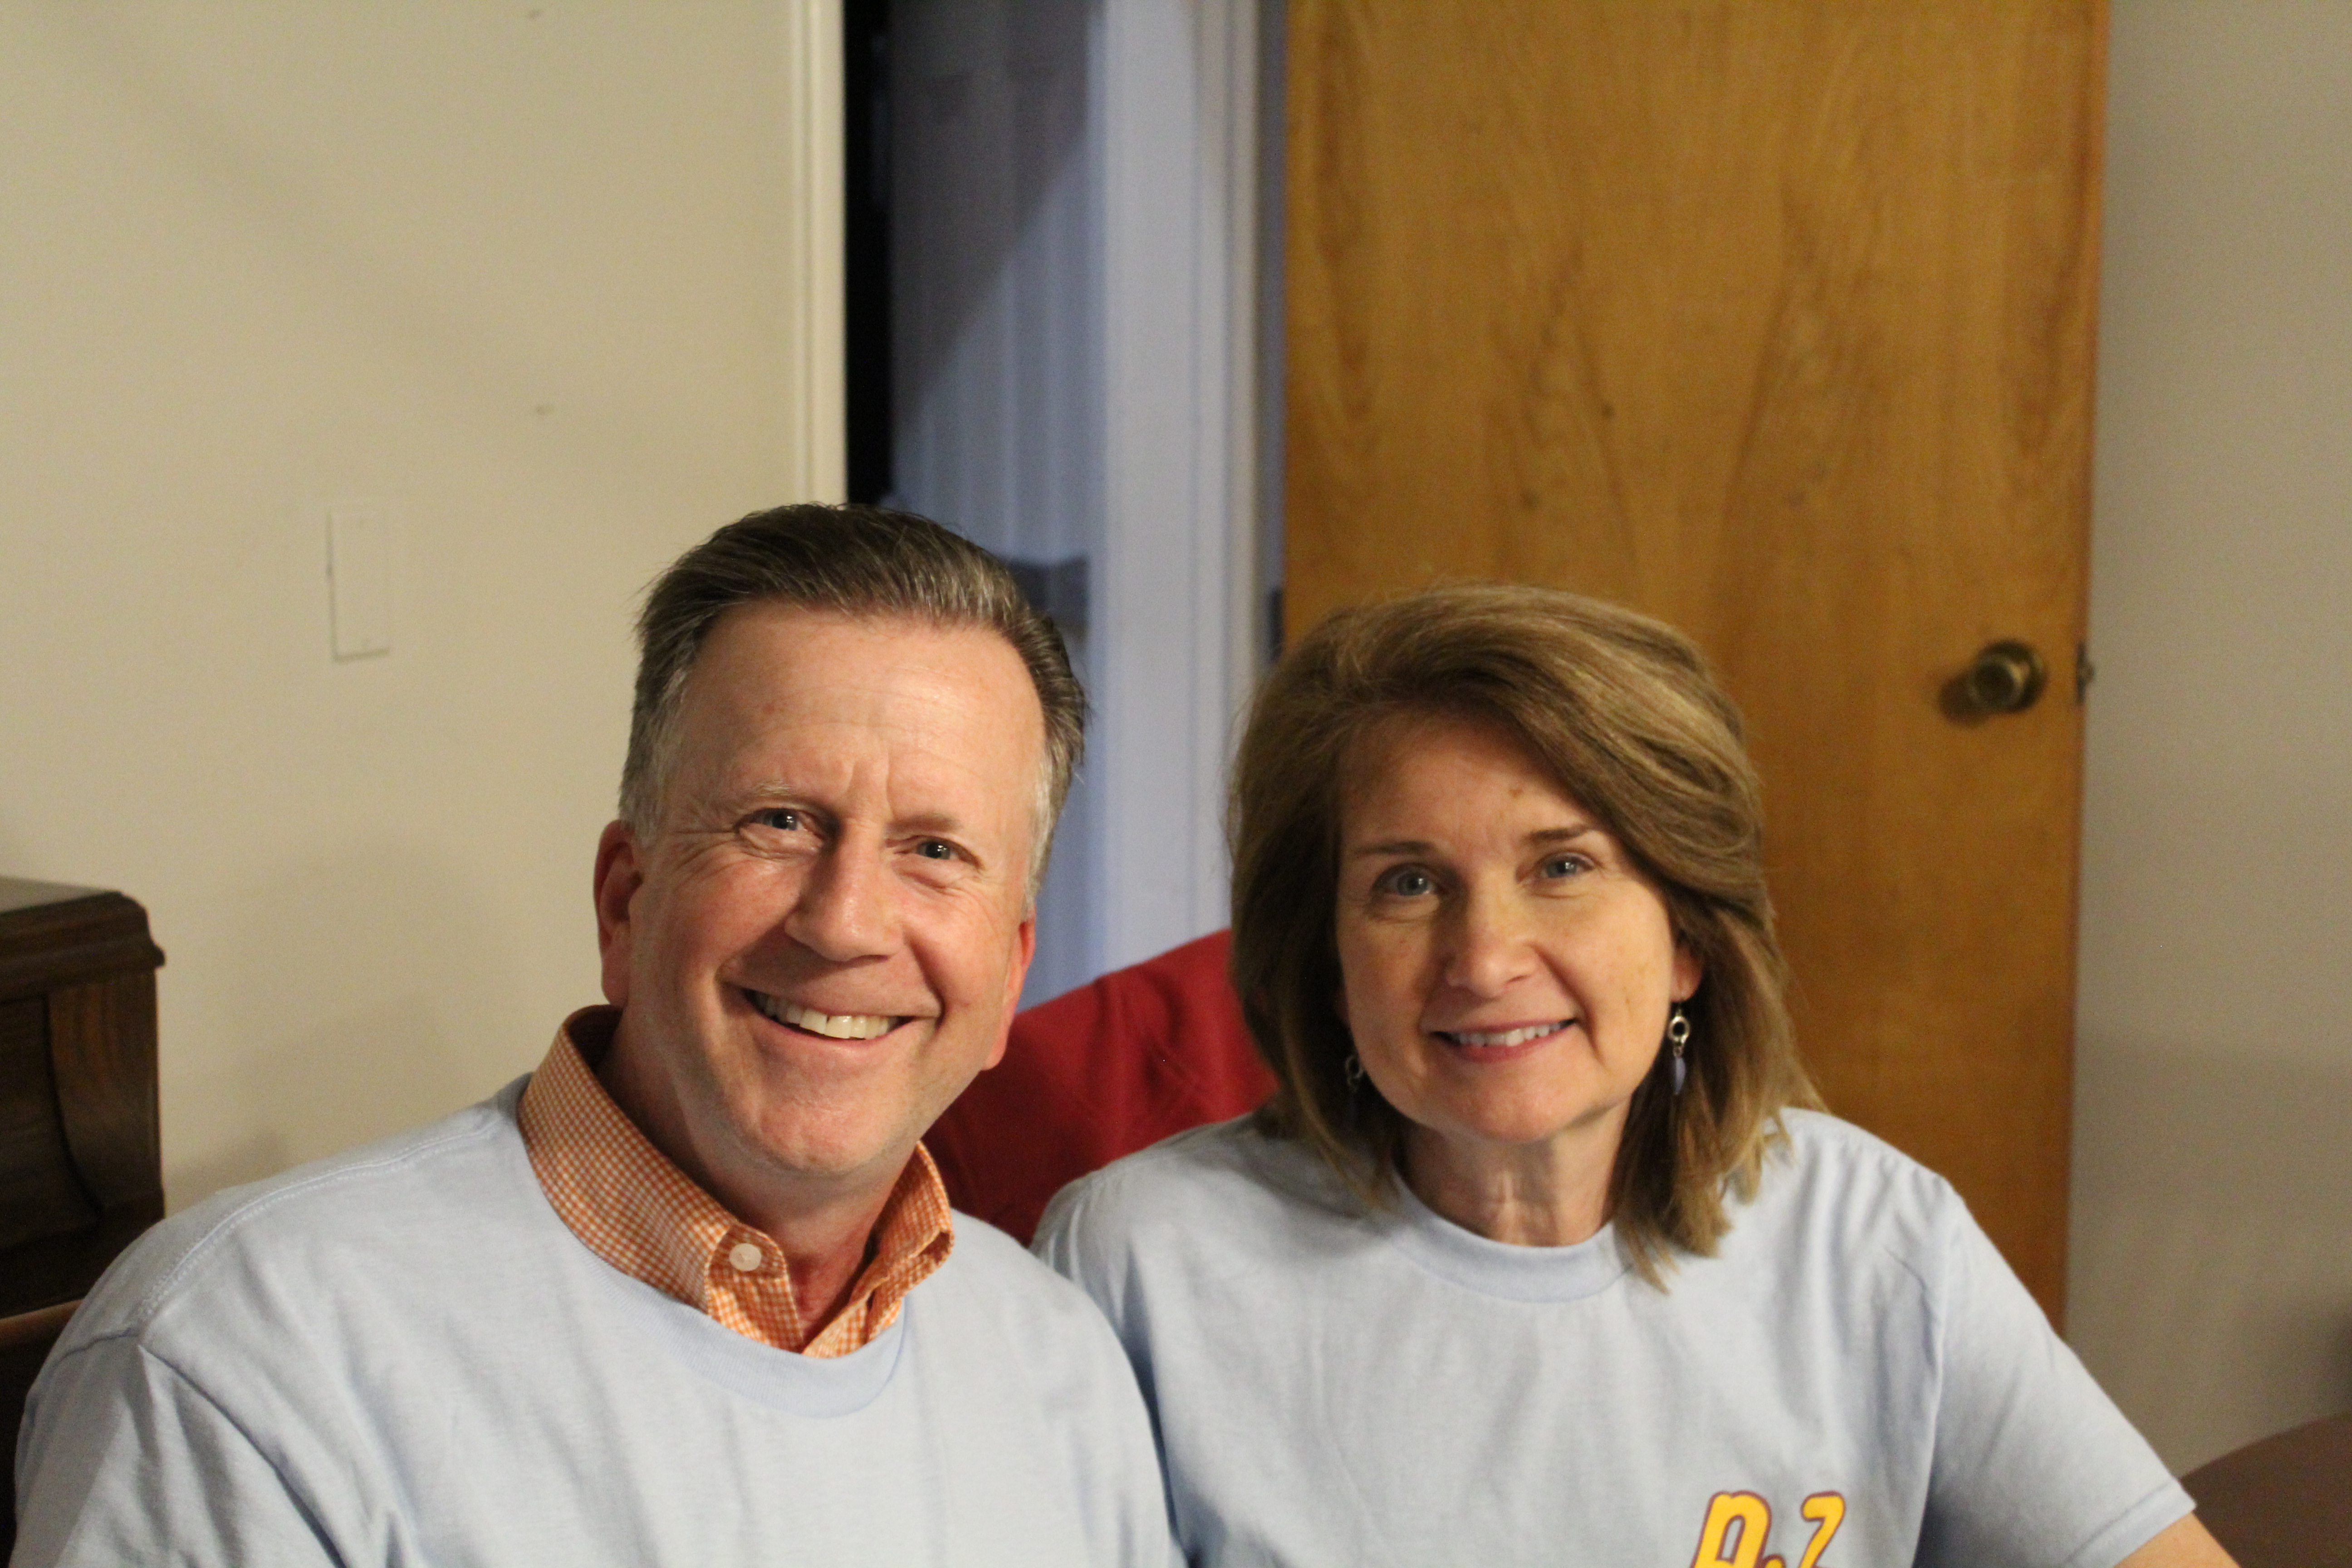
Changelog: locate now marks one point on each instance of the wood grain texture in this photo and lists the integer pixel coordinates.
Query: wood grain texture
(2282, 1502)
(102, 1043)
(80, 1151)
(1774, 319)
(26, 1339)
(39, 1195)
(52, 935)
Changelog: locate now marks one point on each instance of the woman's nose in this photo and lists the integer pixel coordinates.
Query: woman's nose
(1489, 948)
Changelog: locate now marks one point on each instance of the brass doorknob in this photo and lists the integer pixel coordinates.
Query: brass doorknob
(2006, 677)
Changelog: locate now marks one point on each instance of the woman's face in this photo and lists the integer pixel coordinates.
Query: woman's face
(1507, 970)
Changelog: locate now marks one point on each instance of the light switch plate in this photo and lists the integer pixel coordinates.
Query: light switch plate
(359, 576)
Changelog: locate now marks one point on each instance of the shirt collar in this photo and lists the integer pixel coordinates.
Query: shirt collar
(633, 1207)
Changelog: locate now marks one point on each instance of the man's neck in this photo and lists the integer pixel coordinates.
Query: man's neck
(826, 1242)
(824, 1226)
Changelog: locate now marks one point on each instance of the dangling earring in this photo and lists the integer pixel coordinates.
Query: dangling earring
(1677, 1036)
(1353, 1071)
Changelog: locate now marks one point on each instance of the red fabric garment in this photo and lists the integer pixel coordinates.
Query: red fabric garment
(1101, 1071)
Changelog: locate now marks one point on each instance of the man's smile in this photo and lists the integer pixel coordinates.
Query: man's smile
(829, 1025)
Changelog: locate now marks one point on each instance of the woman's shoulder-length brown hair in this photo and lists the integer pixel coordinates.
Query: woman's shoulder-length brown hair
(1623, 713)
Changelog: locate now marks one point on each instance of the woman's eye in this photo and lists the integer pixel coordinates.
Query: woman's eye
(1560, 866)
(1407, 882)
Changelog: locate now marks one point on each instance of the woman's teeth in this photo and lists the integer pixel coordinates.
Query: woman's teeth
(1519, 1037)
(833, 1026)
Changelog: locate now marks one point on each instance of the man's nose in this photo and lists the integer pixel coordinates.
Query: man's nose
(844, 911)
(1489, 948)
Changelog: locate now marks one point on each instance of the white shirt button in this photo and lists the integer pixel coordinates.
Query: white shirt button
(746, 1256)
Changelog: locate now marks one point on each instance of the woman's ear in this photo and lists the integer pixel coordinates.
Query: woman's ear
(1687, 972)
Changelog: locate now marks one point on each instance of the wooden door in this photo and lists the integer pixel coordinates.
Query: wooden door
(1772, 317)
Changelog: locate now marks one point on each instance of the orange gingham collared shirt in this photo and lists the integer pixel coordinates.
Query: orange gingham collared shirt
(633, 1207)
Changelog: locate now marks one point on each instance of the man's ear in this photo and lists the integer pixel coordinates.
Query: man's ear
(1025, 949)
(620, 872)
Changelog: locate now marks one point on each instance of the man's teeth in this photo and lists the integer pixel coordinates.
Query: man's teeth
(1504, 1038)
(833, 1026)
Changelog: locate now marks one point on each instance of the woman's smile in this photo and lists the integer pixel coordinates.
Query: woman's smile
(1505, 1042)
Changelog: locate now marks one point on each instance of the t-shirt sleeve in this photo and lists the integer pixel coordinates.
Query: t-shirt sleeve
(1057, 1243)
(123, 1460)
(2033, 1464)
(1074, 1242)
(1141, 1535)
(1063, 1243)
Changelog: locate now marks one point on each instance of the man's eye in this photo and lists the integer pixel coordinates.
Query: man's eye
(1407, 882)
(935, 849)
(783, 819)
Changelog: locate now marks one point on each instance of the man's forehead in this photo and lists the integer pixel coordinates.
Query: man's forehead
(827, 689)
(771, 653)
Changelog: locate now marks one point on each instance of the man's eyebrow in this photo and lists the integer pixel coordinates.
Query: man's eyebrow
(783, 791)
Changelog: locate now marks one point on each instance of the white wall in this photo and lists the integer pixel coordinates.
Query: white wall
(558, 282)
(2211, 1281)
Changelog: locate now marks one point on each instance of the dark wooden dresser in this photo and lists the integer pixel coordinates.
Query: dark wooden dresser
(80, 1161)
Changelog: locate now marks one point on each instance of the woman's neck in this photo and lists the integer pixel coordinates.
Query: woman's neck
(1554, 1193)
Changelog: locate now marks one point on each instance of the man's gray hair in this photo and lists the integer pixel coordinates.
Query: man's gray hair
(857, 561)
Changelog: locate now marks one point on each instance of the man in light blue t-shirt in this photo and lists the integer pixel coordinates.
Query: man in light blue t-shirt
(692, 1294)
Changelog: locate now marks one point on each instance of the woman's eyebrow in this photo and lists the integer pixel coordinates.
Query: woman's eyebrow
(1539, 837)
(1392, 846)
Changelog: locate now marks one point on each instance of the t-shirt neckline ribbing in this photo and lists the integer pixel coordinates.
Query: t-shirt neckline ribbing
(1500, 1268)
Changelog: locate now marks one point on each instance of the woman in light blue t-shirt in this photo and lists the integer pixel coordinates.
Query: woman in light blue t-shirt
(1543, 1251)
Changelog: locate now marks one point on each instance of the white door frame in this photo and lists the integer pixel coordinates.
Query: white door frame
(814, 414)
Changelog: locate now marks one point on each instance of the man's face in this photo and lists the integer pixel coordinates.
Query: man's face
(822, 944)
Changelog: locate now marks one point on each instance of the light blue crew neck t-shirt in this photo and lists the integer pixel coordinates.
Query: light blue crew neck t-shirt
(404, 1357)
(1855, 1380)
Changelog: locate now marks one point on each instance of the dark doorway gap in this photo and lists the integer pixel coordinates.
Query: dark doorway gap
(866, 245)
